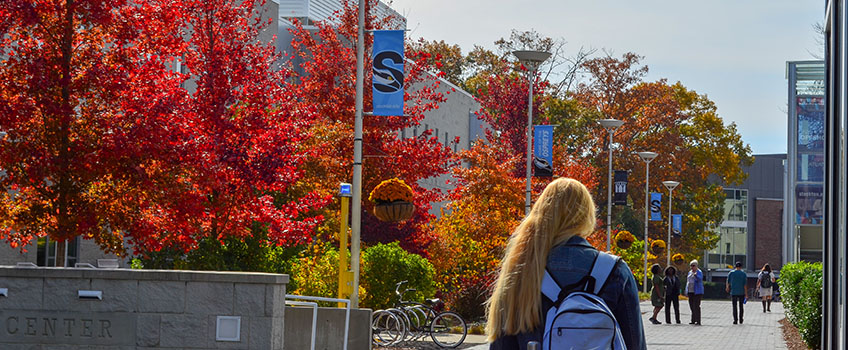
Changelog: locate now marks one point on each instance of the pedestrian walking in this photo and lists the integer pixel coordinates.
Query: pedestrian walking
(737, 286)
(657, 292)
(695, 291)
(672, 294)
(765, 283)
(551, 237)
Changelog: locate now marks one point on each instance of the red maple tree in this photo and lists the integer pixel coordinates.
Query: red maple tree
(79, 96)
(244, 128)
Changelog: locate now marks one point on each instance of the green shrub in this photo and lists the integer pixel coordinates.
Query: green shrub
(800, 290)
(315, 272)
(384, 265)
(714, 290)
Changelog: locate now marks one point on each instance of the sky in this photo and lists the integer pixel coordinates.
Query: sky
(733, 51)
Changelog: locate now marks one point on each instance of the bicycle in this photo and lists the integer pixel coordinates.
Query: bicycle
(446, 329)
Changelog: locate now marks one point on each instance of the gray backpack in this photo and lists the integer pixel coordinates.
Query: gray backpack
(579, 318)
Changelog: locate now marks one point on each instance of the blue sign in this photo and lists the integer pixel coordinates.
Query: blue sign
(656, 202)
(677, 224)
(345, 190)
(543, 150)
(387, 79)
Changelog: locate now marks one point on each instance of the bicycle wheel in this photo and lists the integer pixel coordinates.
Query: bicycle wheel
(405, 322)
(448, 330)
(419, 319)
(386, 328)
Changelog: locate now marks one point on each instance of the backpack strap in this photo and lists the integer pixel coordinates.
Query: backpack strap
(601, 270)
(602, 267)
(550, 288)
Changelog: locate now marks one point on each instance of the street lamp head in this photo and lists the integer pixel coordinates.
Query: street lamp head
(647, 156)
(670, 184)
(531, 59)
(611, 124)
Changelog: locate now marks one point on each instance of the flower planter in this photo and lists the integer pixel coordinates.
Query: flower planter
(624, 244)
(657, 247)
(394, 212)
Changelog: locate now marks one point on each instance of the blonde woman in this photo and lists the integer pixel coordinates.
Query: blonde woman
(552, 237)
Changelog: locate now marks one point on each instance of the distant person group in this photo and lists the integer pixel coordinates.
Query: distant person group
(665, 292)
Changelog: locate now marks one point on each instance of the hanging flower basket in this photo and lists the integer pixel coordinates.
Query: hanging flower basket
(678, 259)
(393, 200)
(394, 212)
(624, 239)
(658, 246)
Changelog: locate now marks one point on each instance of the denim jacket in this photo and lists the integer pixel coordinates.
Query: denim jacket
(568, 263)
(699, 282)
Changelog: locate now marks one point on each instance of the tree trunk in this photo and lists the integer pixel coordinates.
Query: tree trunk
(61, 247)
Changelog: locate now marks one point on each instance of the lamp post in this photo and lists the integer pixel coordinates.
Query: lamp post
(610, 125)
(670, 185)
(532, 60)
(647, 157)
(356, 210)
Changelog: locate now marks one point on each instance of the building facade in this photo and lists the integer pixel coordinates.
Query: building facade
(751, 230)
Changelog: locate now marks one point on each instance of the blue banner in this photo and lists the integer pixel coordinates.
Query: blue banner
(387, 79)
(543, 150)
(656, 203)
(677, 224)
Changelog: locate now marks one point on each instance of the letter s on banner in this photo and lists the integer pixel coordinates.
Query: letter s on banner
(656, 202)
(388, 75)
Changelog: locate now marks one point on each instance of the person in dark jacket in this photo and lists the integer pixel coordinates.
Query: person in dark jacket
(552, 236)
(672, 294)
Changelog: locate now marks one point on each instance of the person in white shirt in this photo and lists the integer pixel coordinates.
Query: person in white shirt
(765, 285)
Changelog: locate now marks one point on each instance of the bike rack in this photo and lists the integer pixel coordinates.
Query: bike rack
(314, 306)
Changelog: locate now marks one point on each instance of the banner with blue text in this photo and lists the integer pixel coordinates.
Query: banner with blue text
(677, 224)
(656, 203)
(387, 79)
(543, 150)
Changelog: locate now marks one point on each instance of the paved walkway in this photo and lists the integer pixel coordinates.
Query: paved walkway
(760, 330)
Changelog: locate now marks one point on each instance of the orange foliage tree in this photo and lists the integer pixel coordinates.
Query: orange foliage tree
(680, 125)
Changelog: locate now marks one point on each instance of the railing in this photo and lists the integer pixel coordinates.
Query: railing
(315, 313)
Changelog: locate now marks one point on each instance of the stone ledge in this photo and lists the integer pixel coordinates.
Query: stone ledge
(145, 275)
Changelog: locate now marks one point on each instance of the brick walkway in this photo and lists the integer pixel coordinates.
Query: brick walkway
(760, 330)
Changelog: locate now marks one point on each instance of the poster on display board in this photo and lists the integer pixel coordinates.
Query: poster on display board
(809, 204)
(810, 111)
(811, 167)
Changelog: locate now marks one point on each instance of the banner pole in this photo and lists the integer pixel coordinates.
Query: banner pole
(356, 211)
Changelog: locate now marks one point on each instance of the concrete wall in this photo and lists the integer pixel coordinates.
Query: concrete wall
(140, 309)
(330, 330)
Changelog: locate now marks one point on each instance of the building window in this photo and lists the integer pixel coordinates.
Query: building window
(46, 255)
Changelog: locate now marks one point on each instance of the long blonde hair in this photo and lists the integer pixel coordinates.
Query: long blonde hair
(564, 209)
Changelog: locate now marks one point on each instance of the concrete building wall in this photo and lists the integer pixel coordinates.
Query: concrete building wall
(455, 118)
(139, 309)
(768, 233)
